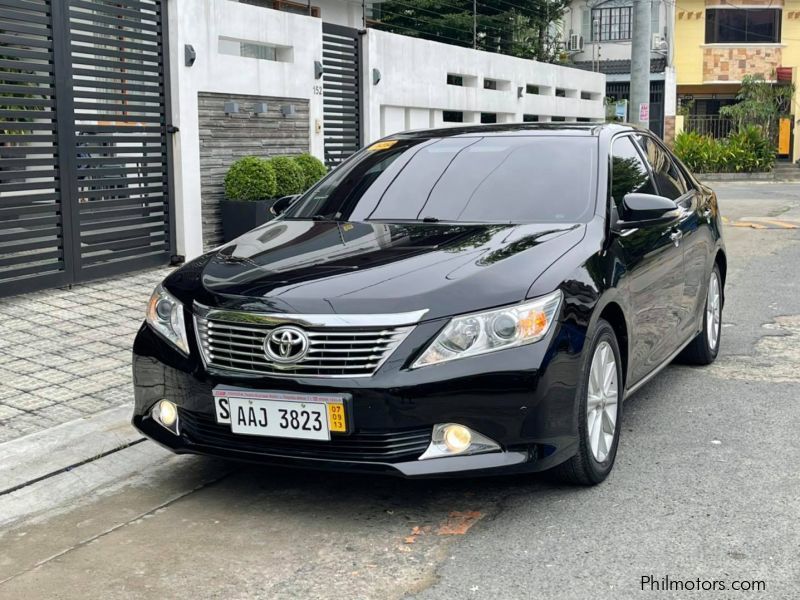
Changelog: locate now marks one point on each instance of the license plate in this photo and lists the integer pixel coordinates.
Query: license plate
(276, 414)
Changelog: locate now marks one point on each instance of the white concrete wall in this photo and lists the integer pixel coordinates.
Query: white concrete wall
(413, 89)
(201, 23)
(341, 12)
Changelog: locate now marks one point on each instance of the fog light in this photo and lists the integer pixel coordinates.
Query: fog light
(452, 439)
(167, 413)
(457, 438)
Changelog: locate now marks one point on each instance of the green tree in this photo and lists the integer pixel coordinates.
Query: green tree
(759, 103)
(521, 28)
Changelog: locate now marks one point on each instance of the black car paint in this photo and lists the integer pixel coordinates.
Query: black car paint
(651, 289)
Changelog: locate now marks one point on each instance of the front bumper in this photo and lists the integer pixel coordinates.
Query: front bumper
(522, 398)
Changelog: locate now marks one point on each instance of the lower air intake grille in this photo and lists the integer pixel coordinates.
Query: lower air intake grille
(399, 446)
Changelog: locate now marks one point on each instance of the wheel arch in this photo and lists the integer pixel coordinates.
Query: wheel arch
(611, 310)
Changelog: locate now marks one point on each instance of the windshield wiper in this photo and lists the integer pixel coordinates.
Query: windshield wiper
(398, 220)
(311, 218)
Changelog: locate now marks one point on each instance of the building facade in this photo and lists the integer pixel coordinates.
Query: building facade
(597, 36)
(718, 42)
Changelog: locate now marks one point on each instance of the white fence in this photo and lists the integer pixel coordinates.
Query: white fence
(251, 50)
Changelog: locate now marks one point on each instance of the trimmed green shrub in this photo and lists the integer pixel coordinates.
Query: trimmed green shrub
(313, 169)
(289, 176)
(250, 178)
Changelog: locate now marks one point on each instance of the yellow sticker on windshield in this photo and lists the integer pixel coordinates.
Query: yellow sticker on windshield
(382, 145)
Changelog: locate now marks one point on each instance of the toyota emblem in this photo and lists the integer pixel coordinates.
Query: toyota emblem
(286, 345)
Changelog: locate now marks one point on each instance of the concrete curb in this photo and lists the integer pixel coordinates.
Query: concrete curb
(725, 177)
(45, 453)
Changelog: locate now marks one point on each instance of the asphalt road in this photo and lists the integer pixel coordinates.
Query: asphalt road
(706, 487)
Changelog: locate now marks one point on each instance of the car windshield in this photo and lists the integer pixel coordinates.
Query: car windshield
(493, 179)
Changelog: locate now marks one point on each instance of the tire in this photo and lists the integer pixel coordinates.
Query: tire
(703, 349)
(591, 465)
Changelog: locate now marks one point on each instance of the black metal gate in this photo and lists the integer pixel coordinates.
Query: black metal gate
(84, 154)
(621, 90)
(341, 98)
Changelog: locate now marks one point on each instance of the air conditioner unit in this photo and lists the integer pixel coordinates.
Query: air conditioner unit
(659, 43)
(575, 42)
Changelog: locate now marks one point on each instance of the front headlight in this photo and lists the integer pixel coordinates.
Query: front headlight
(165, 316)
(479, 333)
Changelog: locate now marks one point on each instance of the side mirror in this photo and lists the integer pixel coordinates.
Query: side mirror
(281, 204)
(643, 210)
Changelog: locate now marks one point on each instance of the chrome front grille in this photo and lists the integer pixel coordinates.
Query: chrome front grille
(332, 351)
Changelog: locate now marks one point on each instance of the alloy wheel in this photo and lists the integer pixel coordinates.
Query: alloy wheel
(713, 312)
(602, 401)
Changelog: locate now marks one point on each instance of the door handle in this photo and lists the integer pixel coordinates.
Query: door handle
(676, 237)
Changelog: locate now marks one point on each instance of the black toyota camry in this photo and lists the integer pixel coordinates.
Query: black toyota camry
(473, 300)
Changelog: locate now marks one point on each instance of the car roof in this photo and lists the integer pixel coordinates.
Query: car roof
(518, 129)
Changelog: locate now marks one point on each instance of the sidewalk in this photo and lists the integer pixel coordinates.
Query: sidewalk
(66, 353)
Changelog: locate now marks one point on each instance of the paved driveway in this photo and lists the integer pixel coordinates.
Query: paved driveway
(66, 353)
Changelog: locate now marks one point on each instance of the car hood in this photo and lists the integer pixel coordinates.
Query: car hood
(312, 267)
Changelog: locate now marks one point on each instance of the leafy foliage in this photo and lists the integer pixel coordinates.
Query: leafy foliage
(760, 104)
(312, 167)
(520, 29)
(745, 151)
(289, 176)
(250, 178)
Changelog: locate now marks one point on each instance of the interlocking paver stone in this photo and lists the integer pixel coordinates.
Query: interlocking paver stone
(53, 376)
(60, 413)
(65, 353)
(8, 433)
(27, 401)
(58, 393)
(6, 412)
(26, 367)
(24, 383)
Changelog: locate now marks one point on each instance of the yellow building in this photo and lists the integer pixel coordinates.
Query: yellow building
(717, 42)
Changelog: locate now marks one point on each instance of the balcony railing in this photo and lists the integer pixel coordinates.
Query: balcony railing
(714, 126)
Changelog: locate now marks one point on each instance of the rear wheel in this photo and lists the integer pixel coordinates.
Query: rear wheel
(600, 409)
(704, 348)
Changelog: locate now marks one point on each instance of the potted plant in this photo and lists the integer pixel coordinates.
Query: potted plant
(250, 190)
(294, 176)
(253, 185)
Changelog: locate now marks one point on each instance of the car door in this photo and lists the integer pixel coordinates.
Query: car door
(688, 229)
(653, 266)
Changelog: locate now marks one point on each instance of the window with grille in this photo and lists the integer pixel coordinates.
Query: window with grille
(611, 24)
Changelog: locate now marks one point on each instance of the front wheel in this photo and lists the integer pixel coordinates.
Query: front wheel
(600, 409)
(703, 349)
